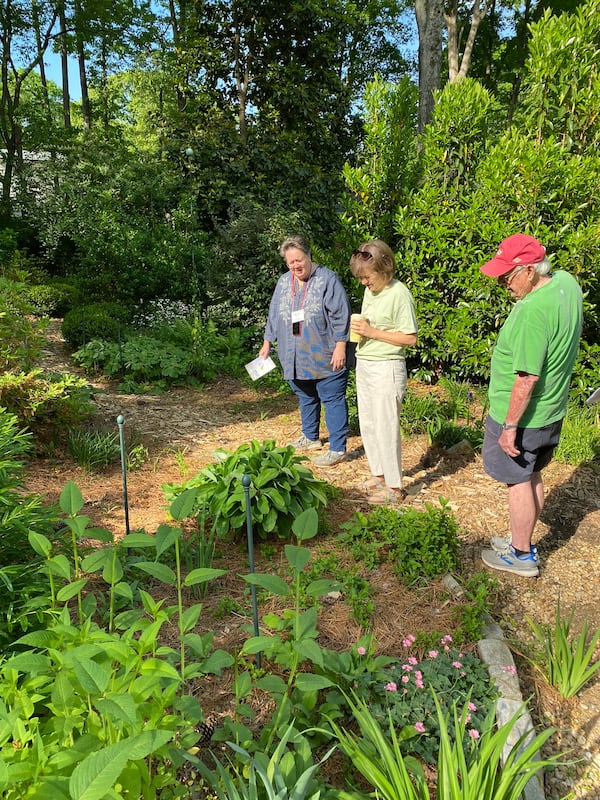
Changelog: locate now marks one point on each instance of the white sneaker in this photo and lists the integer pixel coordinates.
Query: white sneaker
(329, 458)
(526, 566)
(502, 545)
(304, 443)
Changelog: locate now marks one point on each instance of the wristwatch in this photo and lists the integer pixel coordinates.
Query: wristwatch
(506, 427)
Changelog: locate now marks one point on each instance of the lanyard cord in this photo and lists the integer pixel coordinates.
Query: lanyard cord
(303, 298)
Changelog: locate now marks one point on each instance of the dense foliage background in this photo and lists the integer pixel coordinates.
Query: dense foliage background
(206, 133)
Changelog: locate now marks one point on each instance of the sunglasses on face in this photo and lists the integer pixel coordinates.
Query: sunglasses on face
(364, 255)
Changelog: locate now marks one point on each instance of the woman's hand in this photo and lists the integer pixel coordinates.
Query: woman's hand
(265, 350)
(338, 358)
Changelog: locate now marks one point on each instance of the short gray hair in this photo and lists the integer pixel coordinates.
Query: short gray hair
(543, 267)
(299, 242)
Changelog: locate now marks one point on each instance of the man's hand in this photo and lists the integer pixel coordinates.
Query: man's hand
(507, 442)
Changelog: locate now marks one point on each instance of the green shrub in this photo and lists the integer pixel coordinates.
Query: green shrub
(20, 336)
(418, 544)
(46, 402)
(52, 299)
(281, 488)
(140, 359)
(96, 321)
(19, 514)
(580, 436)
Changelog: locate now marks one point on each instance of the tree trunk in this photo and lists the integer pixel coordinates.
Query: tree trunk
(44, 82)
(11, 134)
(430, 20)
(478, 12)
(85, 97)
(242, 63)
(65, 67)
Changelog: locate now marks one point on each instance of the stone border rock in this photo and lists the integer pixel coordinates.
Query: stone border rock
(495, 653)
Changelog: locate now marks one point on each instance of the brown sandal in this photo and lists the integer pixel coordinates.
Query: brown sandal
(386, 496)
(369, 484)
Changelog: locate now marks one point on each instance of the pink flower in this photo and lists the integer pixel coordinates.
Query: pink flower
(412, 660)
(456, 664)
(405, 679)
(511, 669)
(419, 727)
(418, 675)
(472, 707)
(473, 733)
(407, 667)
(361, 651)
(419, 684)
(446, 639)
(433, 653)
(391, 687)
(468, 718)
(409, 641)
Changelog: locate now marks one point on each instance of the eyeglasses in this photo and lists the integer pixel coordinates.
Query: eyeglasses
(364, 255)
(506, 280)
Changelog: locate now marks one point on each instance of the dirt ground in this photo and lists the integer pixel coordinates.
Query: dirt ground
(183, 427)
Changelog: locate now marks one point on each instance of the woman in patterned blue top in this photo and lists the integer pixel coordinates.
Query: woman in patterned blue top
(309, 318)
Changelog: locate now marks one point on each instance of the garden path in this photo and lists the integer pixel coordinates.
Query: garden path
(183, 427)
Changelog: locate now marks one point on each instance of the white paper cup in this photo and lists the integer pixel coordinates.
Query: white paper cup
(355, 337)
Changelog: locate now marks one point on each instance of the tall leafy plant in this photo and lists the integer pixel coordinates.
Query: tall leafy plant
(387, 164)
(281, 488)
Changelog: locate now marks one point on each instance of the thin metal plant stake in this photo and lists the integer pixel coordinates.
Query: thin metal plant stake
(246, 482)
(120, 422)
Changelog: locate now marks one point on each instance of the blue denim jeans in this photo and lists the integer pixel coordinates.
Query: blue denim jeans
(331, 393)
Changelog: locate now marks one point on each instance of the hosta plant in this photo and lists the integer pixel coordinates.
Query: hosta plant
(281, 488)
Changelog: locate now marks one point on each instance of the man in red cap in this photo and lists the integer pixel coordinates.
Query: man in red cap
(531, 370)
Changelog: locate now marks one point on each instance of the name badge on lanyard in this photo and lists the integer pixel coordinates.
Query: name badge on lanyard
(298, 314)
(297, 320)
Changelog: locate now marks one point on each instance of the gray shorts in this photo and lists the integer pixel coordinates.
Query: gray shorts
(536, 445)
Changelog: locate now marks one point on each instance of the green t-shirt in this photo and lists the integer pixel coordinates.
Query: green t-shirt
(540, 337)
(391, 309)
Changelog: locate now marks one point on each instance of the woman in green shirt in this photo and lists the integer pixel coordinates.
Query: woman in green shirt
(387, 326)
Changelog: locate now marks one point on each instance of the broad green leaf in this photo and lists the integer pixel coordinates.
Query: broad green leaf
(93, 677)
(306, 526)
(297, 556)
(40, 544)
(70, 590)
(96, 560)
(100, 535)
(309, 649)
(159, 668)
(272, 583)
(138, 539)
(165, 537)
(216, 662)
(28, 662)
(190, 617)
(273, 684)
(71, 499)
(59, 565)
(183, 505)
(97, 774)
(161, 572)
(322, 587)
(202, 575)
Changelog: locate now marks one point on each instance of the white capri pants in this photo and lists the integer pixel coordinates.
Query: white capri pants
(380, 389)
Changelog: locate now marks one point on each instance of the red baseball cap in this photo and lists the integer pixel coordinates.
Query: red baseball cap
(517, 249)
